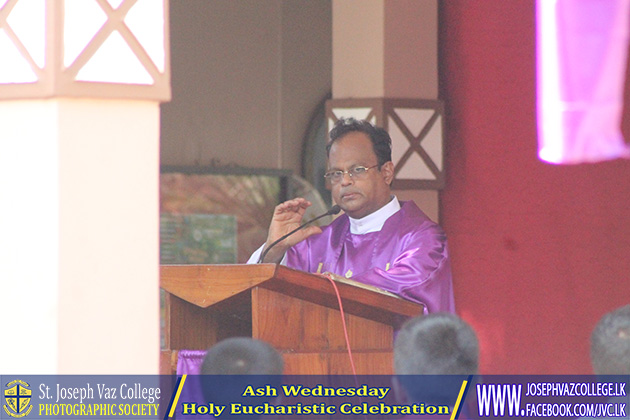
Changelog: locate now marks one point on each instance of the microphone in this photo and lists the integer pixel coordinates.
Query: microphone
(333, 210)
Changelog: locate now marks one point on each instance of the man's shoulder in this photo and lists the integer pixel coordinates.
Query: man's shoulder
(413, 219)
(411, 209)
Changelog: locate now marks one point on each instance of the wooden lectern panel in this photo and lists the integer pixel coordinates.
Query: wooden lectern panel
(193, 328)
(338, 363)
(293, 324)
(294, 311)
(311, 337)
(206, 285)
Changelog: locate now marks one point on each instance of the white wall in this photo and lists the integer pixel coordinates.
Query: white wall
(79, 247)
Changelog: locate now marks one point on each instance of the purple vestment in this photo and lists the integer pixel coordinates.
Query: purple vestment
(408, 257)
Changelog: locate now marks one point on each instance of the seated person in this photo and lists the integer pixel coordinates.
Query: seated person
(435, 344)
(240, 362)
(610, 343)
(610, 353)
(242, 356)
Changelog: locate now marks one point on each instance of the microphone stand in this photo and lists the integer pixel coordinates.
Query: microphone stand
(333, 210)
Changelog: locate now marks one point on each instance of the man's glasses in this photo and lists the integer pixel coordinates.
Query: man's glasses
(357, 172)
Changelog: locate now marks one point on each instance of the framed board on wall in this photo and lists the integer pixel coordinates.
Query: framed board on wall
(211, 215)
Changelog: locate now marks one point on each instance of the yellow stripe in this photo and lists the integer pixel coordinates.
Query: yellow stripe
(179, 391)
(459, 400)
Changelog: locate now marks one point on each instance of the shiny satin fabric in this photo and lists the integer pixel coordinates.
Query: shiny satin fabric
(408, 257)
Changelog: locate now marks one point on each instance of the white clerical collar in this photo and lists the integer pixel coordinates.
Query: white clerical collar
(375, 221)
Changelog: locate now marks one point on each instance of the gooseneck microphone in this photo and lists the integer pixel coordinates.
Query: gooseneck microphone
(333, 210)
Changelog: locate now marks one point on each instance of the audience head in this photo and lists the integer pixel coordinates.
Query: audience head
(610, 343)
(440, 345)
(436, 344)
(242, 356)
(240, 362)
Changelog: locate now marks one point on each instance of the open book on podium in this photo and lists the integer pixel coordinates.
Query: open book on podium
(294, 311)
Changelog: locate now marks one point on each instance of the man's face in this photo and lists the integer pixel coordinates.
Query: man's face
(359, 196)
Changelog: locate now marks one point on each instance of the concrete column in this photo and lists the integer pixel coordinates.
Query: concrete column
(387, 50)
(79, 173)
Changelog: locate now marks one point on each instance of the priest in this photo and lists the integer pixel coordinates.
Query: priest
(378, 240)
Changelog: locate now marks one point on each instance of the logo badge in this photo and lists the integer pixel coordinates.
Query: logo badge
(17, 396)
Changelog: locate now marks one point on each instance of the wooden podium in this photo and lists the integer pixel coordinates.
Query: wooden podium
(296, 312)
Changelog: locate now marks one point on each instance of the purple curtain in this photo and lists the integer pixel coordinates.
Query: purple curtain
(582, 48)
(189, 362)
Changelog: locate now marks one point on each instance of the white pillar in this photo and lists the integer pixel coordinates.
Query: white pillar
(79, 174)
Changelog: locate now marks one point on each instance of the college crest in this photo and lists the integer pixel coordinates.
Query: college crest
(17, 398)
